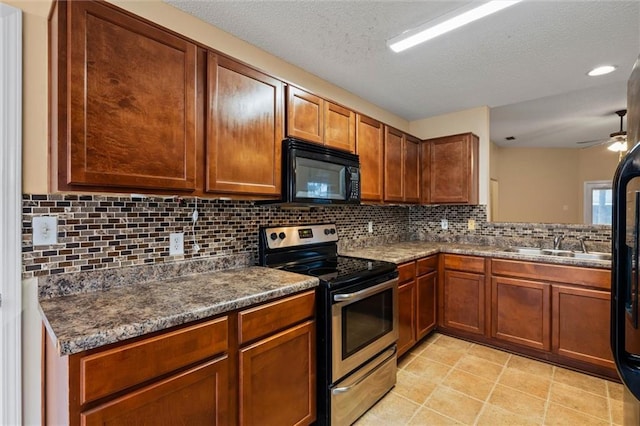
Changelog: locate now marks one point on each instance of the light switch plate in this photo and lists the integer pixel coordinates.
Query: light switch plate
(45, 230)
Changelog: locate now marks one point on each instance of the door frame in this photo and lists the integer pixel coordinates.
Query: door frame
(11, 215)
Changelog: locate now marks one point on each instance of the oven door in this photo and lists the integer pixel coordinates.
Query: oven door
(364, 322)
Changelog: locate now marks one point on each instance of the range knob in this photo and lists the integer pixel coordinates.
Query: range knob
(327, 231)
(333, 231)
(273, 236)
(282, 235)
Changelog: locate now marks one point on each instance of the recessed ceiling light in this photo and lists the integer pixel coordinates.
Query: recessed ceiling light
(606, 69)
(443, 25)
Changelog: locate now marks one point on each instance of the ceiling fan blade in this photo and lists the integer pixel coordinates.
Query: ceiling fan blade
(593, 142)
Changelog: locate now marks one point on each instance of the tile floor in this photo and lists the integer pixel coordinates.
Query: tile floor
(447, 381)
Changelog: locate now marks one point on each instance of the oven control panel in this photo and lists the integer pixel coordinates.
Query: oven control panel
(295, 236)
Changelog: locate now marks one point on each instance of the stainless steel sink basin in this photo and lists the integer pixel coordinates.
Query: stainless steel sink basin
(592, 256)
(525, 250)
(564, 253)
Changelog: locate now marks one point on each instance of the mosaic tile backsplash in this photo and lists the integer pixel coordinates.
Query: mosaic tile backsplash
(98, 232)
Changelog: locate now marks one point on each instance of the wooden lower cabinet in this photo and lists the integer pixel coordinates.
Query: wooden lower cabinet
(464, 301)
(277, 378)
(406, 316)
(196, 397)
(520, 312)
(426, 303)
(581, 325)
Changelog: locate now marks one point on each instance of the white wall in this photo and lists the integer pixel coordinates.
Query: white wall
(475, 120)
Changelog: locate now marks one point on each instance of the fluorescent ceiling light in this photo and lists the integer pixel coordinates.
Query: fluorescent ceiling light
(429, 30)
(606, 69)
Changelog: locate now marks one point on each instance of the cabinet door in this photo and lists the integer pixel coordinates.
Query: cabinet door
(521, 312)
(464, 301)
(369, 146)
(425, 172)
(406, 316)
(426, 304)
(278, 378)
(304, 115)
(411, 168)
(581, 324)
(453, 169)
(393, 164)
(196, 396)
(132, 100)
(244, 135)
(339, 127)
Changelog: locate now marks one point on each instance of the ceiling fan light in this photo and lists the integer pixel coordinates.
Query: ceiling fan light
(618, 146)
(605, 69)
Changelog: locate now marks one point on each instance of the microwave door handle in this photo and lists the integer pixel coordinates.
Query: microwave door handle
(347, 297)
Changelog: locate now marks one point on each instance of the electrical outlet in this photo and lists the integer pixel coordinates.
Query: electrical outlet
(176, 243)
(370, 227)
(45, 230)
(444, 224)
(471, 224)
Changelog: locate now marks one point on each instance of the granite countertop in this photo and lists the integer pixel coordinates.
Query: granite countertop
(407, 251)
(90, 320)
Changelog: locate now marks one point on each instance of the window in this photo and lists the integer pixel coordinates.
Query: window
(598, 202)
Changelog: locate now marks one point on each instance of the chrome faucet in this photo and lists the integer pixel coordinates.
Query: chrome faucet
(557, 240)
(582, 244)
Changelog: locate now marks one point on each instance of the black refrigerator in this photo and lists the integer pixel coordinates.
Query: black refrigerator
(625, 280)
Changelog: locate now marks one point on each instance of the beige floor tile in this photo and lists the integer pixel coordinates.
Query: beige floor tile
(420, 347)
(480, 367)
(469, 384)
(616, 410)
(526, 382)
(616, 390)
(581, 381)
(452, 343)
(414, 387)
(430, 370)
(426, 416)
(394, 409)
(530, 366)
(563, 416)
(518, 402)
(406, 359)
(443, 354)
(490, 354)
(368, 419)
(579, 400)
(496, 416)
(454, 404)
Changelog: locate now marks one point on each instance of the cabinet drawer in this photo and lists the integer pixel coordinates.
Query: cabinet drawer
(599, 278)
(110, 371)
(267, 319)
(426, 265)
(406, 272)
(464, 263)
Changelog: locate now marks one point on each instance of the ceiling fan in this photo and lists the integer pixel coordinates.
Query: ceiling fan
(617, 140)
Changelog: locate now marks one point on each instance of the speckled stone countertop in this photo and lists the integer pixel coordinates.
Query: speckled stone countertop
(90, 320)
(407, 251)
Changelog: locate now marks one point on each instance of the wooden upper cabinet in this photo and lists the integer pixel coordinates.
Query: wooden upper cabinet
(244, 132)
(124, 100)
(369, 146)
(411, 169)
(304, 115)
(315, 119)
(393, 164)
(452, 169)
(339, 127)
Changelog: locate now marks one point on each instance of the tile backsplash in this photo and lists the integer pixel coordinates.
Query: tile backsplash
(97, 232)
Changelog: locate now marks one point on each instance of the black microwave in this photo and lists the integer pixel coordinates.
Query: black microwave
(314, 174)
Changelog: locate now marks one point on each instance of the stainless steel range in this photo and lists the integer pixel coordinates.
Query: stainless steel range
(357, 317)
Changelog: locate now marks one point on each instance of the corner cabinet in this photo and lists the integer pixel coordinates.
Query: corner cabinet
(244, 131)
(370, 148)
(124, 101)
(318, 120)
(401, 167)
(450, 170)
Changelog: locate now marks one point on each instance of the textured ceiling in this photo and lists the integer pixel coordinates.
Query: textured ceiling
(528, 62)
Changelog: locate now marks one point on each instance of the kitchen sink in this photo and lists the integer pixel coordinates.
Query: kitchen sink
(562, 253)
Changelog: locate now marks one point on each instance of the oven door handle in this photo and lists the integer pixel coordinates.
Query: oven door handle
(391, 351)
(346, 297)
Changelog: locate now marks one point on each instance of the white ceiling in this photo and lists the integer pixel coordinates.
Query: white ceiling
(528, 62)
